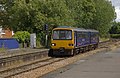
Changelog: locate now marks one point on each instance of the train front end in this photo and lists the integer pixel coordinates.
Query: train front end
(62, 42)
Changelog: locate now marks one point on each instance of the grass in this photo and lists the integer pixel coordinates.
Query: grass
(104, 39)
(2, 50)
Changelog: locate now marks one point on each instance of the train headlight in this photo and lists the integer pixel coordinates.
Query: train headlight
(53, 44)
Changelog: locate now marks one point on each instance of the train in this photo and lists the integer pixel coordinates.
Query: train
(67, 40)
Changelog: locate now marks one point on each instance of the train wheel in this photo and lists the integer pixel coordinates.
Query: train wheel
(76, 51)
(50, 53)
(84, 49)
(89, 47)
(94, 47)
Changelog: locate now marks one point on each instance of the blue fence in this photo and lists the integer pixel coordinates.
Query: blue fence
(9, 43)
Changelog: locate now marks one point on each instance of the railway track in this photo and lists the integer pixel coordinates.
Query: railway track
(28, 67)
(30, 61)
(12, 59)
(108, 43)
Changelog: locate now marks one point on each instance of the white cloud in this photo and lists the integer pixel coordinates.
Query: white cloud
(117, 10)
(116, 3)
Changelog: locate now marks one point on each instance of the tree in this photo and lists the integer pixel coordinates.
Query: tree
(115, 29)
(105, 14)
(57, 13)
(32, 15)
(82, 11)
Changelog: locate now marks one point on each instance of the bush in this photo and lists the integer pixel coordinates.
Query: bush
(22, 37)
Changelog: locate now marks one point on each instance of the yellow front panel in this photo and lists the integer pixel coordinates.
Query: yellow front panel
(62, 43)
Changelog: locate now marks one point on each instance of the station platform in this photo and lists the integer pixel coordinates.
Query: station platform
(19, 51)
(100, 65)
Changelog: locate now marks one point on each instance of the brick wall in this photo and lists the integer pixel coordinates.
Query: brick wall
(7, 33)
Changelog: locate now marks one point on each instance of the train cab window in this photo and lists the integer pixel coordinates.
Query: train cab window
(62, 34)
(55, 35)
(68, 34)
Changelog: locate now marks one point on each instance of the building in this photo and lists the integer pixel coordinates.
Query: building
(6, 33)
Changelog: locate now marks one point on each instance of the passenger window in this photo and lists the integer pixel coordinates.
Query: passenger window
(68, 35)
(79, 35)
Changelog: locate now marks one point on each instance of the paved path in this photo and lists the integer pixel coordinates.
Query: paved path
(100, 65)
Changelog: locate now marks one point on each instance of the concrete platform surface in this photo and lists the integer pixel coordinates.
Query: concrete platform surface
(19, 51)
(100, 65)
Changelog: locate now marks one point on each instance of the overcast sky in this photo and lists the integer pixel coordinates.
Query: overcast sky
(116, 3)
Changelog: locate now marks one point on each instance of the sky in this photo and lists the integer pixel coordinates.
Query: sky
(116, 3)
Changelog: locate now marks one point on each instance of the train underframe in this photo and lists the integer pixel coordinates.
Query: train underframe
(71, 52)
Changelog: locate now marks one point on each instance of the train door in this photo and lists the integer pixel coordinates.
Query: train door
(79, 39)
(75, 37)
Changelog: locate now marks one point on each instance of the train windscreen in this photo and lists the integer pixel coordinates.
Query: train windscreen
(62, 35)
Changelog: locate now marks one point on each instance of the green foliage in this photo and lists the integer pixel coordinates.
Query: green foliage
(5, 7)
(115, 35)
(104, 39)
(82, 11)
(105, 14)
(115, 29)
(32, 15)
(3, 50)
(22, 36)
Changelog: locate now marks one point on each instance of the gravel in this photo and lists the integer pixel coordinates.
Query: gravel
(37, 73)
(49, 68)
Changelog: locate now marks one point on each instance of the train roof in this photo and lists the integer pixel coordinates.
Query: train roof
(64, 27)
(80, 29)
(92, 30)
(85, 30)
(76, 29)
